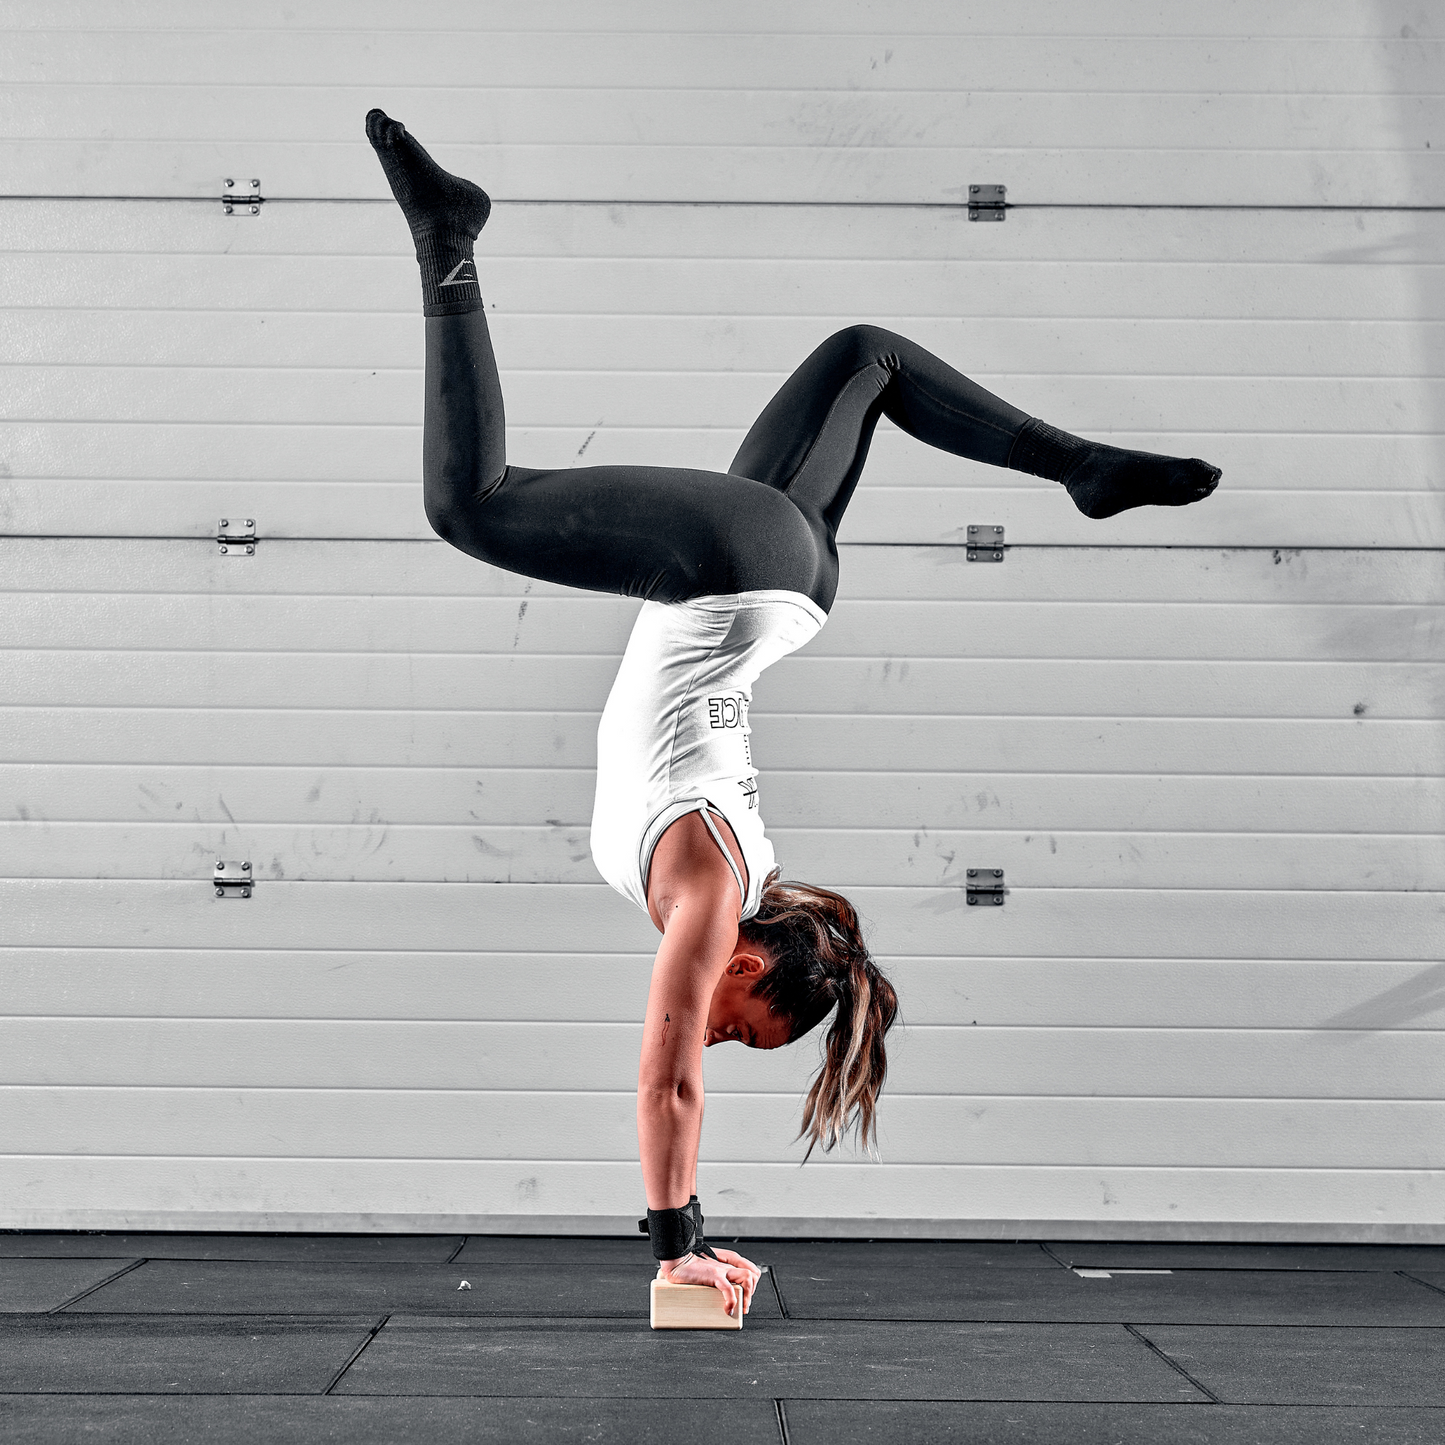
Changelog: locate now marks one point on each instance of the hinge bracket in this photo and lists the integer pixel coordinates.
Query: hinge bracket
(985, 543)
(233, 880)
(236, 535)
(985, 885)
(241, 198)
(986, 203)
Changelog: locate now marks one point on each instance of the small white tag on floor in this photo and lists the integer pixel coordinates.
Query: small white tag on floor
(1110, 1273)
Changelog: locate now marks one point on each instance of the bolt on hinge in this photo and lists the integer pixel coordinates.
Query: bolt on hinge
(986, 203)
(985, 543)
(241, 197)
(233, 880)
(985, 885)
(238, 535)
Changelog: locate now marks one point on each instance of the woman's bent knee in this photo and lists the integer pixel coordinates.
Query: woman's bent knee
(863, 345)
(443, 521)
(451, 501)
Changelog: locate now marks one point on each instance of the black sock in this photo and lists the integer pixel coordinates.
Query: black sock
(446, 215)
(1104, 480)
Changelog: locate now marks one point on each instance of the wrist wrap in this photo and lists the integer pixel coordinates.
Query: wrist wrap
(699, 1244)
(676, 1232)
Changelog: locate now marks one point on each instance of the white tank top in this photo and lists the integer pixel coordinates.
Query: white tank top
(674, 736)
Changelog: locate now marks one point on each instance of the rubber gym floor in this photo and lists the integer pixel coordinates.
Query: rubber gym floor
(211, 1337)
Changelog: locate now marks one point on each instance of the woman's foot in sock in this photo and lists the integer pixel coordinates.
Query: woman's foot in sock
(1106, 480)
(430, 198)
(445, 213)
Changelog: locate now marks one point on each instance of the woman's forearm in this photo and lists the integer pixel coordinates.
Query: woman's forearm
(669, 1121)
(699, 933)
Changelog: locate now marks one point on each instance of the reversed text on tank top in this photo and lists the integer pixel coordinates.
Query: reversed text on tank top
(731, 711)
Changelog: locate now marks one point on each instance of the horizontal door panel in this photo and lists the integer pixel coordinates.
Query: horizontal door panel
(969, 286)
(968, 628)
(926, 127)
(858, 174)
(693, 400)
(1044, 922)
(426, 682)
(1339, 18)
(238, 981)
(828, 745)
(422, 1124)
(997, 1201)
(367, 851)
(293, 477)
(561, 798)
(1011, 346)
(1397, 249)
(362, 1054)
(377, 569)
(1034, 513)
(807, 59)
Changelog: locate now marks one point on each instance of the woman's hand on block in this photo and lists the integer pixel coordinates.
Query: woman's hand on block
(735, 1276)
(730, 1257)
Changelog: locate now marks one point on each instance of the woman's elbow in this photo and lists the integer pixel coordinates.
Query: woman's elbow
(666, 1094)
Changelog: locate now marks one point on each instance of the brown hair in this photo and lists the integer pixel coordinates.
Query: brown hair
(819, 961)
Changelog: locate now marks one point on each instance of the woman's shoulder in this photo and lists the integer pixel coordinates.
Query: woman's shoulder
(688, 865)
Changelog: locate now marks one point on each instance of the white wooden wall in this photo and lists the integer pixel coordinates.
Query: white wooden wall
(1205, 743)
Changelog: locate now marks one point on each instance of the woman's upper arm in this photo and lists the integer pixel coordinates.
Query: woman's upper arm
(699, 940)
(693, 898)
(686, 860)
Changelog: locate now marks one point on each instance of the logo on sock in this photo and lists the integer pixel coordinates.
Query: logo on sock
(455, 272)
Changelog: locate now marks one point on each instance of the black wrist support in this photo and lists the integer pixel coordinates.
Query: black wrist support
(700, 1244)
(676, 1232)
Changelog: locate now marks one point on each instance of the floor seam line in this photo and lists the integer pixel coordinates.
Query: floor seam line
(1173, 1364)
(340, 1318)
(1415, 1279)
(375, 1330)
(101, 1284)
(782, 1415)
(722, 1399)
(777, 1291)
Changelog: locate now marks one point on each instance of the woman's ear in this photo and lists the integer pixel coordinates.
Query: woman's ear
(747, 965)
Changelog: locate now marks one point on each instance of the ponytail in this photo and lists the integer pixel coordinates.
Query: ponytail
(819, 963)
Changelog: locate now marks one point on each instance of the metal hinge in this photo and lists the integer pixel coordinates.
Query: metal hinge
(985, 885)
(986, 203)
(236, 534)
(985, 543)
(233, 880)
(241, 198)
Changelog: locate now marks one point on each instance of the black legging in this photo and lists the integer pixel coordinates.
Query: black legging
(671, 533)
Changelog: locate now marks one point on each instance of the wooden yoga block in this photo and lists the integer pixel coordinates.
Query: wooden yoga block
(690, 1307)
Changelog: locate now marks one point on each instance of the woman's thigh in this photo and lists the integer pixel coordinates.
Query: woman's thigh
(664, 533)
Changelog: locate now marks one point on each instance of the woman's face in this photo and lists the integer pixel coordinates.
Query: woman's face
(737, 1014)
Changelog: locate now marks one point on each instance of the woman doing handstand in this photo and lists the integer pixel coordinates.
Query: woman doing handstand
(737, 570)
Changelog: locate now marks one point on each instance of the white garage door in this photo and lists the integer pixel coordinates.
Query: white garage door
(1204, 744)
